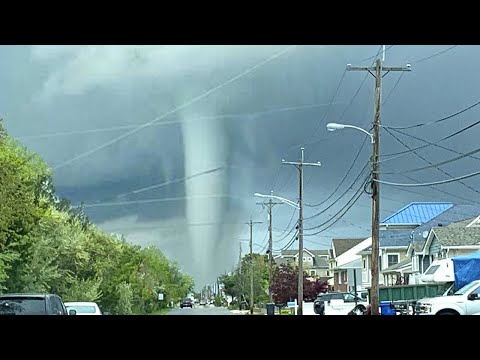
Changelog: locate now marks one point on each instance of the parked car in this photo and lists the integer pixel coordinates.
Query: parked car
(203, 302)
(344, 297)
(33, 304)
(186, 303)
(84, 308)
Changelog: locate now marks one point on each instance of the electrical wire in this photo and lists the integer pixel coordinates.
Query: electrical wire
(378, 53)
(393, 88)
(401, 153)
(359, 191)
(432, 183)
(338, 219)
(289, 223)
(434, 165)
(429, 162)
(433, 121)
(341, 196)
(434, 55)
(434, 144)
(175, 110)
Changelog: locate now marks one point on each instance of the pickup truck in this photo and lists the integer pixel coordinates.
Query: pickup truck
(33, 304)
(465, 301)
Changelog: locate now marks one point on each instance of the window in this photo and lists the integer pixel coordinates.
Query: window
(344, 276)
(432, 270)
(83, 309)
(304, 258)
(56, 306)
(365, 264)
(309, 258)
(392, 259)
(22, 306)
(313, 273)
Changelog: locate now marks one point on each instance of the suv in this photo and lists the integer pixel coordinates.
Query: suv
(319, 303)
(186, 303)
(32, 304)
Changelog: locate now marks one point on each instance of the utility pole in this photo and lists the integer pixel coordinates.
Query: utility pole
(377, 72)
(299, 165)
(269, 205)
(240, 276)
(251, 223)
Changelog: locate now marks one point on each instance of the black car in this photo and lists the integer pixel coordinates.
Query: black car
(319, 303)
(186, 303)
(33, 304)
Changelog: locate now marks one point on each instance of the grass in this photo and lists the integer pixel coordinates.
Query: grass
(163, 311)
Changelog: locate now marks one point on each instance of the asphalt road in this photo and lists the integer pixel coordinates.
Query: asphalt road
(201, 310)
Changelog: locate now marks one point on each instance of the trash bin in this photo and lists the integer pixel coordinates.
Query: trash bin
(270, 309)
(386, 308)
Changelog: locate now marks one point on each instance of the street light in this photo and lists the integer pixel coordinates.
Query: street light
(335, 126)
(375, 211)
(300, 245)
(286, 201)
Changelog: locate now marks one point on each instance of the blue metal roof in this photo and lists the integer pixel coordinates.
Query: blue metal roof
(417, 213)
(454, 214)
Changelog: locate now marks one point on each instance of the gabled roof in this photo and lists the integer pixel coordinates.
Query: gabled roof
(311, 252)
(417, 213)
(392, 238)
(320, 252)
(343, 245)
(355, 264)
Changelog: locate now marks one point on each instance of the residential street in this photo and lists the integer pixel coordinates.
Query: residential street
(202, 310)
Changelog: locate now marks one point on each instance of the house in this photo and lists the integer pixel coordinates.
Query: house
(416, 250)
(345, 264)
(314, 261)
(395, 233)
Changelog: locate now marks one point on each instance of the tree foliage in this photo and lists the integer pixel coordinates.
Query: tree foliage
(285, 285)
(238, 283)
(47, 245)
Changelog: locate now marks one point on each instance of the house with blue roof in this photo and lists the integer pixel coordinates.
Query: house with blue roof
(395, 234)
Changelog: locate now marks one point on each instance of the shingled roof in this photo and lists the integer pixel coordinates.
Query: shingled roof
(343, 245)
(458, 235)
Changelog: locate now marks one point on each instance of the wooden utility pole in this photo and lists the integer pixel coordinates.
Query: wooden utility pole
(299, 165)
(269, 205)
(377, 72)
(251, 223)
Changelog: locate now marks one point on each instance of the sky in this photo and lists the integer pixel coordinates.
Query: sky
(168, 144)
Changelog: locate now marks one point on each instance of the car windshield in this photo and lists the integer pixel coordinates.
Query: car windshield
(465, 289)
(82, 309)
(22, 306)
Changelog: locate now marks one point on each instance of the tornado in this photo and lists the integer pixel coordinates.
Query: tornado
(205, 147)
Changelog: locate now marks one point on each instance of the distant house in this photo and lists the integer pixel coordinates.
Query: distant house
(345, 263)
(314, 261)
(395, 234)
(416, 252)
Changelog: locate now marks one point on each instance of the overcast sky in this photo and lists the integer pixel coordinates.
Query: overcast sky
(235, 111)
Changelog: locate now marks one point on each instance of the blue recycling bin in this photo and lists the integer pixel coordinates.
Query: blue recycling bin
(386, 308)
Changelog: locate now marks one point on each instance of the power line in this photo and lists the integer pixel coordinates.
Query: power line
(429, 162)
(359, 194)
(173, 181)
(434, 182)
(433, 121)
(173, 122)
(434, 165)
(375, 56)
(361, 147)
(434, 55)
(341, 196)
(359, 191)
(434, 144)
(393, 88)
(401, 153)
(175, 110)
(147, 201)
(289, 223)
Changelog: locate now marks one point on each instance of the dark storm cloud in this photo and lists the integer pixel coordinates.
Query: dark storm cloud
(54, 89)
